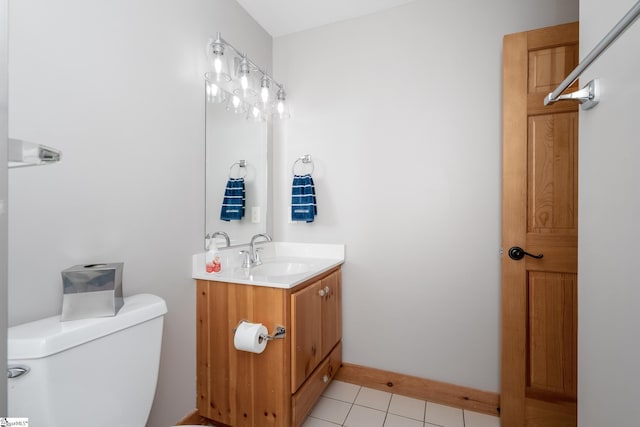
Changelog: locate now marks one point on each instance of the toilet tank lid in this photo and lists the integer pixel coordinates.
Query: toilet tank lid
(48, 336)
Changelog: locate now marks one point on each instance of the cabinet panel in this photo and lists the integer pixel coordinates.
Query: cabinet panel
(306, 351)
(331, 312)
(212, 352)
(238, 388)
(309, 393)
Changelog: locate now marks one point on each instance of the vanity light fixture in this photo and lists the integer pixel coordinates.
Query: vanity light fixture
(264, 89)
(238, 81)
(282, 108)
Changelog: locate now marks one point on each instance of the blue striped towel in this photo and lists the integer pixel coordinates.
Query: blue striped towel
(233, 203)
(303, 199)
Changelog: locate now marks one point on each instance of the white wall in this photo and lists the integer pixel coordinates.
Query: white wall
(117, 86)
(401, 112)
(609, 203)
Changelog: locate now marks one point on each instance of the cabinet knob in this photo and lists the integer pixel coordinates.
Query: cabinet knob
(323, 292)
(325, 378)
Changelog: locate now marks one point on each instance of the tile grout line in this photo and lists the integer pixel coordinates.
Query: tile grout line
(424, 416)
(351, 407)
(386, 414)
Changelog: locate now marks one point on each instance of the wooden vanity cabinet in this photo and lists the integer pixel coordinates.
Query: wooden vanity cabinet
(278, 387)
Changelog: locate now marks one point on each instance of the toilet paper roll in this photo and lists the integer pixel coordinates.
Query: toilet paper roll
(248, 337)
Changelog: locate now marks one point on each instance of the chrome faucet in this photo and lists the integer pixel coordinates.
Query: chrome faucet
(254, 254)
(219, 233)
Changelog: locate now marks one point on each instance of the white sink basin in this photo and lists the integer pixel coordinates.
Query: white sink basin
(284, 264)
(281, 268)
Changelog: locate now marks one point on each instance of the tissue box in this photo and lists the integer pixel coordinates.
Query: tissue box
(93, 290)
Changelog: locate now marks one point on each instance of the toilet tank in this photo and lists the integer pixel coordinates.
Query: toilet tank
(90, 372)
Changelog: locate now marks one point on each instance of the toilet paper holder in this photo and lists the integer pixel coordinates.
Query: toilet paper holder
(279, 333)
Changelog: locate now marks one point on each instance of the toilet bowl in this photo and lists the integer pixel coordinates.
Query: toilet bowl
(99, 372)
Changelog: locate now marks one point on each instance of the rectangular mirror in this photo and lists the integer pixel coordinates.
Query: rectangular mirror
(230, 139)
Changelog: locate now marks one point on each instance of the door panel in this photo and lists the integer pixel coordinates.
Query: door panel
(539, 214)
(553, 171)
(552, 334)
(548, 67)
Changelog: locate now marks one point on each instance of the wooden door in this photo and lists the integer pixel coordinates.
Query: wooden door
(540, 215)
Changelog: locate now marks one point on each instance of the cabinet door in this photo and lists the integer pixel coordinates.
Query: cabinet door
(306, 344)
(331, 312)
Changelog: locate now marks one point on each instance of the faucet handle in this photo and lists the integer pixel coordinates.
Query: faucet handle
(246, 259)
(257, 260)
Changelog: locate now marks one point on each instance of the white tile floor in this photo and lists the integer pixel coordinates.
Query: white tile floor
(350, 405)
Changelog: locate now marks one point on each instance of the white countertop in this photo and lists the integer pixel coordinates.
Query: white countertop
(303, 260)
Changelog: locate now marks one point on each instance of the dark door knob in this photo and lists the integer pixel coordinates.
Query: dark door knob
(518, 253)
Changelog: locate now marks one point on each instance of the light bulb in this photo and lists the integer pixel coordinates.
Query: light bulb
(255, 114)
(218, 52)
(214, 93)
(244, 89)
(213, 90)
(281, 110)
(235, 105)
(264, 89)
(217, 57)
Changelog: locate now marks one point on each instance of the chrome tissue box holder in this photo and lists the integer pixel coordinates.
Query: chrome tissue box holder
(93, 290)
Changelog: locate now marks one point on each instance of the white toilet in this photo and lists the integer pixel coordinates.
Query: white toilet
(93, 372)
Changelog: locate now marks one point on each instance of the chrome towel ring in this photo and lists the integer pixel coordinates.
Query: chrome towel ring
(241, 167)
(302, 161)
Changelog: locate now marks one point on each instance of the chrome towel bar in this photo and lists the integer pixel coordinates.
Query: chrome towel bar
(589, 95)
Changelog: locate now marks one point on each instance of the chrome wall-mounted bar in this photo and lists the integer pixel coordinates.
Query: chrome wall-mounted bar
(24, 153)
(589, 95)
